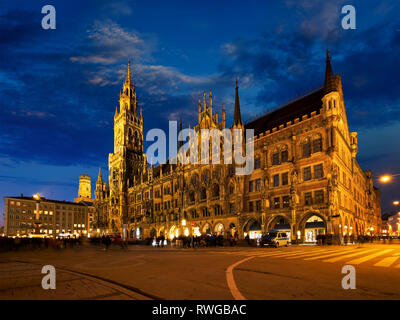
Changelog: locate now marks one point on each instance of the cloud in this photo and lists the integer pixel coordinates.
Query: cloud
(108, 43)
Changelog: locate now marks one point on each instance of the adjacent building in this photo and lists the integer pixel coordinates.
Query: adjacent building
(55, 216)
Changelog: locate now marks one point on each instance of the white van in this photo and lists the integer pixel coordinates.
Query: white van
(274, 238)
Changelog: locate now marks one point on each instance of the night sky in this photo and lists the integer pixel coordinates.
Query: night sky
(59, 88)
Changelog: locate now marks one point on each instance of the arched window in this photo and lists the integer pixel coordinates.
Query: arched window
(203, 194)
(215, 190)
(231, 188)
(205, 176)
(191, 196)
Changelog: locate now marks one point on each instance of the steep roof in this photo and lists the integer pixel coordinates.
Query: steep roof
(295, 109)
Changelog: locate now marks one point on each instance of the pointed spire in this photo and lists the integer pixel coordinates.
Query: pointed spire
(116, 112)
(237, 119)
(330, 83)
(210, 103)
(180, 143)
(128, 75)
(204, 101)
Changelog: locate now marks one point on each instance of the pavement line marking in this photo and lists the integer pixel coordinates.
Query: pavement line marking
(349, 255)
(387, 262)
(294, 253)
(276, 255)
(336, 253)
(371, 256)
(231, 280)
(309, 254)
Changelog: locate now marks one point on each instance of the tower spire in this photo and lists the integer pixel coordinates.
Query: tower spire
(330, 83)
(237, 119)
(99, 178)
(128, 75)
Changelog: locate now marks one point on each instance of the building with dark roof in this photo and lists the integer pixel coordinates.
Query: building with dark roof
(306, 179)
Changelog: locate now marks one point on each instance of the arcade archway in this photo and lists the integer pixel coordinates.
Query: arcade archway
(311, 226)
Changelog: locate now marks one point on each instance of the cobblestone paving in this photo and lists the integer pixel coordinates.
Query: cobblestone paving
(23, 281)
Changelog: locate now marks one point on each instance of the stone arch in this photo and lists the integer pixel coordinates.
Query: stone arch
(206, 228)
(313, 223)
(173, 232)
(219, 228)
(153, 232)
(281, 222)
(252, 228)
(161, 231)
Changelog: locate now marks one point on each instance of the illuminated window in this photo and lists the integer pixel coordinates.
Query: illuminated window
(277, 203)
(285, 201)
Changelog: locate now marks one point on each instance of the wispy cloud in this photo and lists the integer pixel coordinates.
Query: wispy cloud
(108, 43)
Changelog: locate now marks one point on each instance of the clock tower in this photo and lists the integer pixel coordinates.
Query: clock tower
(128, 161)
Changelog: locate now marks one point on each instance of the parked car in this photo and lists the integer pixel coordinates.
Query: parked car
(275, 239)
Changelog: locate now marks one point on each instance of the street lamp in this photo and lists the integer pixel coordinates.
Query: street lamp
(388, 177)
(37, 218)
(396, 202)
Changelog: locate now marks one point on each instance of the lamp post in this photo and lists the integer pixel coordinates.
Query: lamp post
(37, 218)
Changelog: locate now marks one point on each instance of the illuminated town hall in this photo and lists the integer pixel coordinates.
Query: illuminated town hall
(306, 180)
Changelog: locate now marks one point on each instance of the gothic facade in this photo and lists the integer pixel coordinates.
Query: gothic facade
(306, 179)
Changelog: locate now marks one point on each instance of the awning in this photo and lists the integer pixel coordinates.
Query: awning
(315, 225)
(283, 226)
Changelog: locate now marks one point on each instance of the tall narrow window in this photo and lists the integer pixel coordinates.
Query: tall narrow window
(318, 171)
(275, 158)
(306, 149)
(285, 179)
(251, 186)
(307, 173)
(308, 198)
(284, 156)
(277, 203)
(319, 196)
(276, 180)
(317, 145)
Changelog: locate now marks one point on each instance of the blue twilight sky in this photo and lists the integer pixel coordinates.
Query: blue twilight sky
(59, 88)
